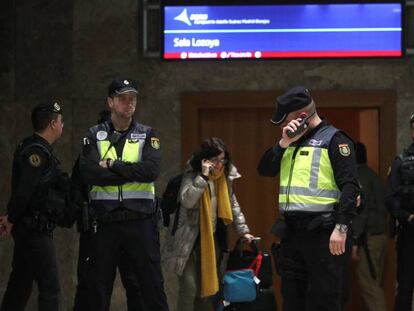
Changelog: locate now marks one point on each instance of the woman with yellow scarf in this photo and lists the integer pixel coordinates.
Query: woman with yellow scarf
(208, 206)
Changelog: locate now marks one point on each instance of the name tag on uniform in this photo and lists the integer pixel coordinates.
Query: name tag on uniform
(135, 136)
(304, 153)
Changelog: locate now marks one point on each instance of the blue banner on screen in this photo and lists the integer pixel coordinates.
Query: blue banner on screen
(283, 31)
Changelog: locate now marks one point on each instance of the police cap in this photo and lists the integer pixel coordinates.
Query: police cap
(122, 86)
(292, 100)
(52, 107)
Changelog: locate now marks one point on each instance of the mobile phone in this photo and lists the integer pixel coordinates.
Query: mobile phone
(299, 129)
(303, 124)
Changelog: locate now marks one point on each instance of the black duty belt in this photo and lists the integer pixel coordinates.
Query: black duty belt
(309, 222)
(122, 215)
(37, 223)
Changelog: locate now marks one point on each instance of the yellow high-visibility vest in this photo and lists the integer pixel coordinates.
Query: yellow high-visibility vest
(128, 192)
(307, 182)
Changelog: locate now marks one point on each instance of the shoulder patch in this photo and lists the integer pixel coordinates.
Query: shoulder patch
(155, 143)
(101, 135)
(35, 160)
(344, 149)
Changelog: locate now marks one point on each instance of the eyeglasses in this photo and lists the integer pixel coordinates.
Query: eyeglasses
(219, 161)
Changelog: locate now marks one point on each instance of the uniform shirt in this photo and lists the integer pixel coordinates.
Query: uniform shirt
(29, 166)
(393, 200)
(145, 171)
(344, 168)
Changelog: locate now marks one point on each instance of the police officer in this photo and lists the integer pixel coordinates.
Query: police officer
(400, 203)
(31, 213)
(317, 199)
(80, 194)
(121, 160)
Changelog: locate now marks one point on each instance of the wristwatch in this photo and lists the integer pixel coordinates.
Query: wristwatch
(341, 228)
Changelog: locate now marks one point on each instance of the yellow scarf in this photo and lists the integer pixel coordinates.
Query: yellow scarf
(209, 278)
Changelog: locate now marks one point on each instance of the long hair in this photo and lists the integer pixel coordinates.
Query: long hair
(210, 148)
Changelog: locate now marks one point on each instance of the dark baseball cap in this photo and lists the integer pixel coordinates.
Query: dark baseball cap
(122, 86)
(292, 100)
(53, 107)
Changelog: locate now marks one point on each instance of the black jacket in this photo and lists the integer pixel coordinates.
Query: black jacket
(398, 202)
(35, 170)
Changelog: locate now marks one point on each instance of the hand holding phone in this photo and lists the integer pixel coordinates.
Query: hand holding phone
(206, 167)
(299, 129)
(303, 125)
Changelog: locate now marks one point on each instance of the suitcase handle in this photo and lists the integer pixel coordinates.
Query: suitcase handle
(254, 245)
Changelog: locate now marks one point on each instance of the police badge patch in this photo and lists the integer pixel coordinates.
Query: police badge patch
(155, 143)
(344, 150)
(101, 135)
(35, 160)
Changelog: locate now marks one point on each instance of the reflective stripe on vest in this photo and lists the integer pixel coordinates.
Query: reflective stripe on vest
(132, 153)
(307, 182)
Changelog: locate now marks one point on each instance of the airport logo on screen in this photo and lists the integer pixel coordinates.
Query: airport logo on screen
(283, 31)
(202, 19)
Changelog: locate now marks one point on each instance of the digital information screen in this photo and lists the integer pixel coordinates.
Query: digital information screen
(283, 31)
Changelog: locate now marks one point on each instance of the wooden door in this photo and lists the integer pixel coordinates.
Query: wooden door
(241, 119)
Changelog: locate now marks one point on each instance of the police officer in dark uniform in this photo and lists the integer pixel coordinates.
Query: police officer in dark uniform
(80, 195)
(400, 203)
(121, 160)
(37, 201)
(317, 201)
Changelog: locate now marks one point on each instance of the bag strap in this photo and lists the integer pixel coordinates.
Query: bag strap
(257, 264)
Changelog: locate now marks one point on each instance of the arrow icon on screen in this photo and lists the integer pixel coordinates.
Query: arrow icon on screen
(183, 17)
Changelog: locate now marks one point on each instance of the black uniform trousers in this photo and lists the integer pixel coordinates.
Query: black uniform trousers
(128, 278)
(138, 240)
(312, 278)
(34, 259)
(405, 269)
